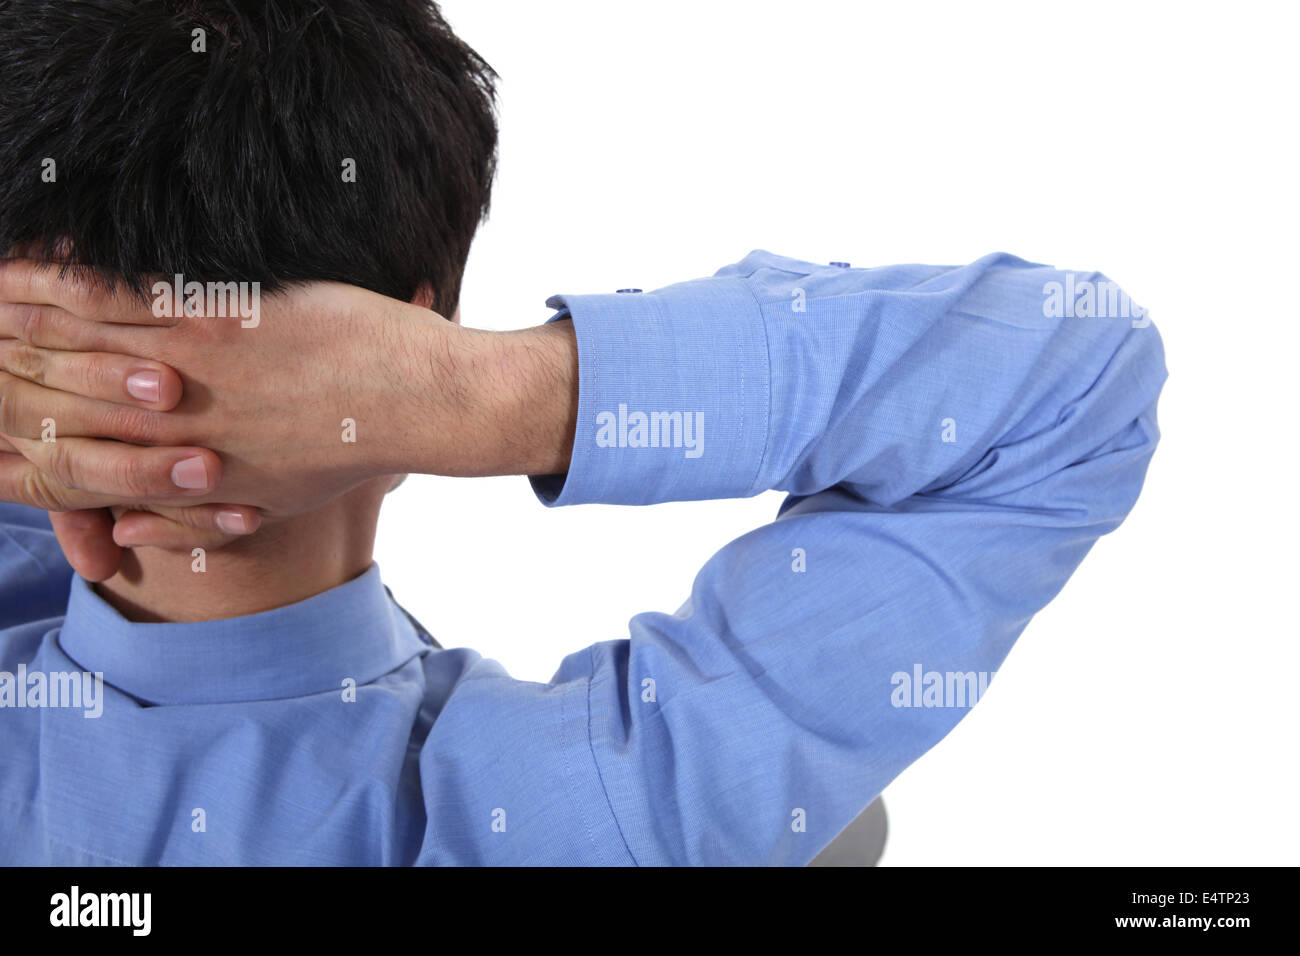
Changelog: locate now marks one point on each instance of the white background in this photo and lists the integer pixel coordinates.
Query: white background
(1147, 716)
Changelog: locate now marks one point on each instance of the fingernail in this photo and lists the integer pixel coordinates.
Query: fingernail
(145, 385)
(232, 522)
(191, 474)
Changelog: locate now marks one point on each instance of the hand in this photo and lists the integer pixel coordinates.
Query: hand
(88, 472)
(332, 386)
(92, 474)
(93, 542)
(272, 398)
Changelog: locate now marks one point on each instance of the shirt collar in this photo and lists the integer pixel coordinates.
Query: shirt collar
(352, 631)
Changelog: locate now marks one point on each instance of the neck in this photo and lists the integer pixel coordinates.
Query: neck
(285, 561)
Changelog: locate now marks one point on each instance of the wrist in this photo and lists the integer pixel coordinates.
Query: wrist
(502, 403)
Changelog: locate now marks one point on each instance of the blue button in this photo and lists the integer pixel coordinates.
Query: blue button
(622, 291)
(840, 265)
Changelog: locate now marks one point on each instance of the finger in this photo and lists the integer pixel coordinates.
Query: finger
(51, 327)
(77, 290)
(97, 375)
(86, 538)
(23, 483)
(126, 473)
(179, 529)
(28, 410)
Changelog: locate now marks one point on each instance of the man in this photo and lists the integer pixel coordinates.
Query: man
(952, 445)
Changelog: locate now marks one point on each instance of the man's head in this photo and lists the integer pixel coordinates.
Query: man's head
(268, 141)
(241, 141)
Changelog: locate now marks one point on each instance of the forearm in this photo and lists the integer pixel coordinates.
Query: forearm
(508, 403)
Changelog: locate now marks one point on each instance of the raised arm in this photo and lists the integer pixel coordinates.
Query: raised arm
(952, 449)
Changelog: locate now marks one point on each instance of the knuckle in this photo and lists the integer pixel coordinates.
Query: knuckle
(19, 358)
(186, 520)
(37, 492)
(92, 373)
(85, 294)
(32, 324)
(63, 465)
(132, 473)
(10, 412)
(134, 425)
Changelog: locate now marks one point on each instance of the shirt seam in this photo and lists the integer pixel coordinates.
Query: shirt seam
(573, 780)
(752, 487)
(600, 777)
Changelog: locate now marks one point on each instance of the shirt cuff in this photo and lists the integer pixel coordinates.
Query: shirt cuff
(673, 396)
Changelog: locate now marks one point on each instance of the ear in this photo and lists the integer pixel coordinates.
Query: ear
(424, 299)
(423, 296)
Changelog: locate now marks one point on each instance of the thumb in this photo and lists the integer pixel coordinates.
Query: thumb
(86, 538)
(181, 529)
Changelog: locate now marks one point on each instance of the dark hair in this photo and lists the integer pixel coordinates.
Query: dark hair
(228, 165)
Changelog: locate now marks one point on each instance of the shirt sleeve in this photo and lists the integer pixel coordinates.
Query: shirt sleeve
(953, 441)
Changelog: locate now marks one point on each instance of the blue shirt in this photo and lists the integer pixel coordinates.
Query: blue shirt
(953, 441)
